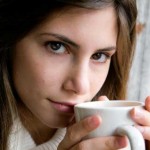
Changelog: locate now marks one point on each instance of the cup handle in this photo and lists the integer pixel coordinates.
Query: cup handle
(135, 137)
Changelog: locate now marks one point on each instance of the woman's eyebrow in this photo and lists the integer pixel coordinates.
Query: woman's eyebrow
(62, 38)
(69, 41)
(110, 48)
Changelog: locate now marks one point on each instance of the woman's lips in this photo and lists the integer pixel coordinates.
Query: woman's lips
(63, 107)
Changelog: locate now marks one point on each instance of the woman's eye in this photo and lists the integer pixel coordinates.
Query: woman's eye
(100, 57)
(56, 47)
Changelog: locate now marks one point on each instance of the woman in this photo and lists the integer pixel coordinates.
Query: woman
(55, 54)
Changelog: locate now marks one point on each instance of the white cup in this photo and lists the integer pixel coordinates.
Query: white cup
(115, 119)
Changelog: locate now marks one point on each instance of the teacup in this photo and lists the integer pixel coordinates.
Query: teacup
(116, 119)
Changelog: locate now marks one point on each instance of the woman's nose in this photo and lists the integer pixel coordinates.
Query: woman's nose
(77, 80)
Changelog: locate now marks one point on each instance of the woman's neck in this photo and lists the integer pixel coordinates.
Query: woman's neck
(38, 131)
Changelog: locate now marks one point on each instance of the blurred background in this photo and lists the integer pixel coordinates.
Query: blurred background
(139, 82)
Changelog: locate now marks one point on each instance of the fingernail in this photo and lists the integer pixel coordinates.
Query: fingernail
(137, 113)
(121, 142)
(94, 121)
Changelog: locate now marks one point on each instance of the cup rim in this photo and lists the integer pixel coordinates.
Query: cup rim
(130, 104)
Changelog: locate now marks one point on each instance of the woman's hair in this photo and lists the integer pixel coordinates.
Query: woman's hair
(20, 17)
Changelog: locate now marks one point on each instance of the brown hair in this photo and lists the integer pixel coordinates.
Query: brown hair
(16, 22)
(116, 83)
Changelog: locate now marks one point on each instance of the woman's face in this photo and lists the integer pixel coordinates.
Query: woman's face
(64, 61)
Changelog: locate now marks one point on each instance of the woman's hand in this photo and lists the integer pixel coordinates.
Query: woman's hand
(74, 138)
(142, 117)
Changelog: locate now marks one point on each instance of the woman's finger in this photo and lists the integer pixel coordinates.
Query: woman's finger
(145, 130)
(140, 116)
(103, 98)
(103, 143)
(147, 103)
(77, 131)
